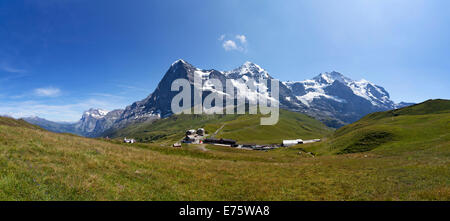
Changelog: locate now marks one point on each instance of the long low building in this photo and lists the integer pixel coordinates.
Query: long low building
(287, 143)
(219, 141)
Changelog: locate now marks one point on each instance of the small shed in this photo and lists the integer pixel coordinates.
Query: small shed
(176, 145)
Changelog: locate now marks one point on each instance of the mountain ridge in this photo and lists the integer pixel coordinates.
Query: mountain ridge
(329, 97)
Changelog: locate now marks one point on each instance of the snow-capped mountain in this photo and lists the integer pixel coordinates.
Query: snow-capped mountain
(158, 104)
(330, 97)
(92, 123)
(308, 90)
(338, 97)
(105, 122)
(246, 71)
(96, 121)
(250, 71)
(89, 120)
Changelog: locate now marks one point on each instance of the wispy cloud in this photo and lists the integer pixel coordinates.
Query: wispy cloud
(107, 95)
(8, 72)
(131, 87)
(229, 45)
(242, 39)
(7, 68)
(47, 92)
(234, 45)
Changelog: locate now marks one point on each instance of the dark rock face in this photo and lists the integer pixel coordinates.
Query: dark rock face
(351, 108)
(298, 89)
(105, 123)
(158, 104)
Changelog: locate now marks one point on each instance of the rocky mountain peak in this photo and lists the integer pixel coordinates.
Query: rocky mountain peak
(248, 69)
(95, 113)
(330, 77)
(180, 63)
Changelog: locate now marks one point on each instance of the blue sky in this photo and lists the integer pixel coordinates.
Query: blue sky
(60, 57)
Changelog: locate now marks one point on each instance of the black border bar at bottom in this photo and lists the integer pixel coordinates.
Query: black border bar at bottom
(213, 210)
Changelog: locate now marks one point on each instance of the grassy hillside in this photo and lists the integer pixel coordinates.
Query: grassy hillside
(6, 121)
(244, 128)
(40, 165)
(291, 125)
(419, 128)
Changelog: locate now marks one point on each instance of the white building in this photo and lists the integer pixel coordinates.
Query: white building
(125, 140)
(287, 143)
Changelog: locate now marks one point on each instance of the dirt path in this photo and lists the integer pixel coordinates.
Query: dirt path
(202, 147)
(217, 131)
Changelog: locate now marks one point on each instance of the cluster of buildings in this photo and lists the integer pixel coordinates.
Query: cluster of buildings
(194, 136)
(198, 136)
(233, 143)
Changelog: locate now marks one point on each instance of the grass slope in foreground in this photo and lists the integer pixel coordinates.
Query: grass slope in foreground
(40, 165)
(243, 128)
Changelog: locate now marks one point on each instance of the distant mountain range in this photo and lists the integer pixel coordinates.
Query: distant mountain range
(92, 124)
(330, 97)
